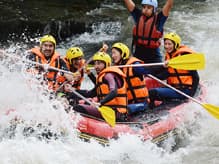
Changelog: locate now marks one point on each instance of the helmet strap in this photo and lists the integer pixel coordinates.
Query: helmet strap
(123, 61)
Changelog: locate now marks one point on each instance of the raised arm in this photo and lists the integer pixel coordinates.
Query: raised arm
(167, 7)
(130, 5)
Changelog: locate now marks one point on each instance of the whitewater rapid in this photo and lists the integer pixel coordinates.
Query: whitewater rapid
(196, 22)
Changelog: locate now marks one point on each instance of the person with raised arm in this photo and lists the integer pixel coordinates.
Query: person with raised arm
(148, 28)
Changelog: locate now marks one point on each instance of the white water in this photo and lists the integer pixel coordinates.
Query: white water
(199, 28)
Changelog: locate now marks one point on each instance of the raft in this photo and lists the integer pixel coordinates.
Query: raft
(155, 125)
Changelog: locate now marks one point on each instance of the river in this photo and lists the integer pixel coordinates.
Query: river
(198, 24)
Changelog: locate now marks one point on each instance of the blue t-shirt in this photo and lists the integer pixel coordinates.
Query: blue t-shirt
(149, 55)
(140, 70)
(161, 19)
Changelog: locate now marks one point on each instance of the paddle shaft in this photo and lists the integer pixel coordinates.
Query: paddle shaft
(84, 98)
(43, 65)
(178, 91)
(137, 65)
(140, 65)
(158, 64)
(87, 62)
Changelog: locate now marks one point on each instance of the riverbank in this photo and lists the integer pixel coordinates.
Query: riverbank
(31, 18)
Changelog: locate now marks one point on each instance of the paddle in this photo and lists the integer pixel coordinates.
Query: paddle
(107, 113)
(186, 62)
(212, 109)
(45, 66)
(79, 70)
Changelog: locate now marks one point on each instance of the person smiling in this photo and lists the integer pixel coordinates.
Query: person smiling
(46, 54)
(183, 80)
(110, 89)
(137, 91)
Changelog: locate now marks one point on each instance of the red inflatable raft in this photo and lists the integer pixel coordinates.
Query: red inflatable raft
(154, 125)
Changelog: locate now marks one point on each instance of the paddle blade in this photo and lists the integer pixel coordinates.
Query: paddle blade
(213, 110)
(108, 114)
(188, 62)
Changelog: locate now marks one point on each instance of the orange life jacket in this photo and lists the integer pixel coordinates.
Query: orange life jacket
(54, 81)
(76, 84)
(145, 32)
(120, 101)
(136, 89)
(179, 78)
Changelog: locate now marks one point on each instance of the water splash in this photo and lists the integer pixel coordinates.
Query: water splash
(200, 142)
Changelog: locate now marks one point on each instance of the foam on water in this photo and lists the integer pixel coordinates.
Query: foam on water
(199, 29)
(200, 136)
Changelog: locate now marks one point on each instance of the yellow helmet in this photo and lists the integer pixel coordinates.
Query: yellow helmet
(48, 38)
(123, 48)
(174, 37)
(102, 56)
(73, 52)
